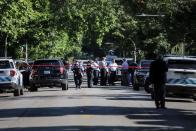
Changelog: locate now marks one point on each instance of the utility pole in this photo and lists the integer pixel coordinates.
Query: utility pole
(26, 52)
(5, 50)
(134, 50)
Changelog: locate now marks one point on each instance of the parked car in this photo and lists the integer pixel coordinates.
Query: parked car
(181, 77)
(11, 80)
(141, 72)
(48, 72)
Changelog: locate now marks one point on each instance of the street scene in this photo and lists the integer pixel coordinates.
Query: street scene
(110, 108)
(102, 65)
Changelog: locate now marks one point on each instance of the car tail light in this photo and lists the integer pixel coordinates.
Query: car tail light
(61, 70)
(12, 73)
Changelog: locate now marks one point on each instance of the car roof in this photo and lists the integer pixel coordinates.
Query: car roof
(47, 60)
(11, 60)
(180, 58)
(146, 60)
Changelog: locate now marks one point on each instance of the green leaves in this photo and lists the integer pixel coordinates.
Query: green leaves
(53, 28)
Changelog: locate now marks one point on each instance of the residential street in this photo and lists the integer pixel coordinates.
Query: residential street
(100, 108)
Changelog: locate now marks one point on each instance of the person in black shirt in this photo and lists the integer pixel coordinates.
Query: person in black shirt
(78, 73)
(89, 74)
(158, 77)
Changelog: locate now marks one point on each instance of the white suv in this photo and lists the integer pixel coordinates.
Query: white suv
(11, 80)
(181, 75)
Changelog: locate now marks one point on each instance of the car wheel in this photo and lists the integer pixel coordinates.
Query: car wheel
(194, 98)
(136, 87)
(21, 92)
(17, 92)
(64, 87)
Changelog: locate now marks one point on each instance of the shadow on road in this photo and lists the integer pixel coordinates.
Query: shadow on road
(93, 128)
(174, 118)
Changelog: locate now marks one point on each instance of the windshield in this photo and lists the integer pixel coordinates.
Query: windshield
(5, 65)
(182, 64)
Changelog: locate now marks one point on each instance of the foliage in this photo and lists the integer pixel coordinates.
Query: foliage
(67, 28)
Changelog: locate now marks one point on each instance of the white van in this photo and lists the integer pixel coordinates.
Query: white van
(181, 75)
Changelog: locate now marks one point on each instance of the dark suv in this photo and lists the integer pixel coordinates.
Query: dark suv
(50, 72)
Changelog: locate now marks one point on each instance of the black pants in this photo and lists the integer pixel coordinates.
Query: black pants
(112, 77)
(159, 94)
(124, 78)
(89, 79)
(103, 76)
(95, 77)
(78, 80)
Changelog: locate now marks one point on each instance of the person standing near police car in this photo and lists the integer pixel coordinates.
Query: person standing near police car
(89, 73)
(124, 73)
(103, 72)
(158, 77)
(96, 71)
(112, 71)
(78, 71)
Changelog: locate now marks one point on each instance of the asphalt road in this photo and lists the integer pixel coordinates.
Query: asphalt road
(114, 108)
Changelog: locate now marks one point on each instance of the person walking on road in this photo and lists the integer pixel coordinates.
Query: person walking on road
(112, 71)
(89, 74)
(158, 77)
(78, 70)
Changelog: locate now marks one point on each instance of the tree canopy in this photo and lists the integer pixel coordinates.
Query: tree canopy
(72, 28)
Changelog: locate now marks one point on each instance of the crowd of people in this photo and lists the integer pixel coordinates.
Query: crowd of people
(107, 72)
(101, 72)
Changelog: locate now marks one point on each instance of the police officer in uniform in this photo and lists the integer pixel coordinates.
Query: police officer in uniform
(77, 69)
(89, 74)
(103, 72)
(96, 71)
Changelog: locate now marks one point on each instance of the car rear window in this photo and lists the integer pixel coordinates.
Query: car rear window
(46, 63)
(182, 64)
(5, 65)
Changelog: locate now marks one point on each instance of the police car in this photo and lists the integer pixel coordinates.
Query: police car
(11, 80)
(181, 76)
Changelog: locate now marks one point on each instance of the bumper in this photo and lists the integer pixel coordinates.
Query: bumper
(48, 82)
(8, 86)
(181, 89)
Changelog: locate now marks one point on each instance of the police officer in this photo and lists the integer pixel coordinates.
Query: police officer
(112, 70)
(124, 73)
(96, 71)
(158, 70)
(78, 70)
(89, 74)
(103, 72)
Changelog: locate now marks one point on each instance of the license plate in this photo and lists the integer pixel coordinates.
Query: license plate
(46, 72)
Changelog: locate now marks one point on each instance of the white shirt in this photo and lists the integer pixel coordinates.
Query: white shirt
(103, 65)
(95, 66)
(113, 66)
